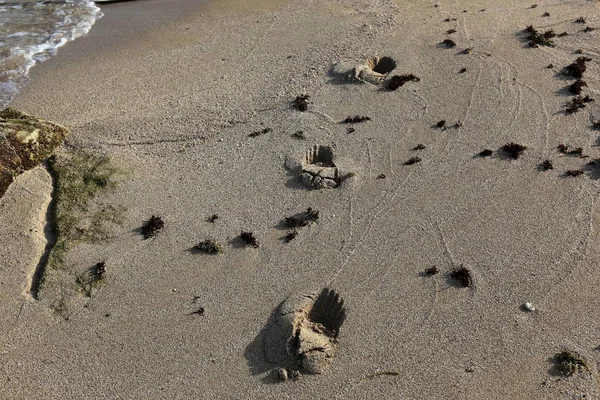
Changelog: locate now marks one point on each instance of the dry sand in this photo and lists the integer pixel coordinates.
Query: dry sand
(171, 91)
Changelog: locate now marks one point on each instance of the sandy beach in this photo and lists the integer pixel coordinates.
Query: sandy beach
(192, 102)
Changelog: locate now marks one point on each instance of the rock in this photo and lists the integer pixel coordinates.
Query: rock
(25, 142)
(281, 374)
(528, 307)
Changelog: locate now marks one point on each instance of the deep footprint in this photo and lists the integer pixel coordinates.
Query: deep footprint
(304, 334)
(318, 169)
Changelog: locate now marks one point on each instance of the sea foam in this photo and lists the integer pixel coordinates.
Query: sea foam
(32, 32)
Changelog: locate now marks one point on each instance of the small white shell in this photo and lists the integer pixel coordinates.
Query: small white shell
(529, 306)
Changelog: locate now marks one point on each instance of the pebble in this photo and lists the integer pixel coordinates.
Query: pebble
(529, 306)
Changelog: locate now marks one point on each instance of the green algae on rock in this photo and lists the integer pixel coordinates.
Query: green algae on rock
(25, 141)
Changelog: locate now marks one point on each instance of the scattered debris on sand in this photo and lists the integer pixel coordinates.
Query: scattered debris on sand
(430, 271)
(537, 38)
(413, 160)
(303, 336)
(577, 86)
(301, 102)
(463, 276)
(397, 81)
(299, 135)
(577, 68)
(152, 226)
(513, 150)
(249, 238)
(448, 43)
(569, 362)
(209, 246)
(546, 165)
(290, 236)
(356, 119)
(574, 172)
(302, 219)
(260, 132)
(577, 104)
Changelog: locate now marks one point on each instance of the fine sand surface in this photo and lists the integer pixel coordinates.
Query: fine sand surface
(171, 90)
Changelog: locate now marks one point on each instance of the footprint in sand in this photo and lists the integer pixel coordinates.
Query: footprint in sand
(304, 334)
(318, 169)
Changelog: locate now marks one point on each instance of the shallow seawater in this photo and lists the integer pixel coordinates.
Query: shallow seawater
(31, 32)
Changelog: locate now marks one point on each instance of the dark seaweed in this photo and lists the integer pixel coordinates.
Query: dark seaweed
(355, 120)
(399, 80)
(463, 276)
(249, 238)
(302, 219)
(260, 132)
(301, 102)
(514, 150)
(152, 226)
(413, 160)
(485, 153)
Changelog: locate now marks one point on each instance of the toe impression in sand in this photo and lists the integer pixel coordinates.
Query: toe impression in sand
(304, 334)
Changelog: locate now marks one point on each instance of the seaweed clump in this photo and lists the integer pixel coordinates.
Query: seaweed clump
(537, 39)
(249, 238)
(152, 226)
(260, 132)
(485, 153)
(577, 86)
(546, 165)
(574, 172)
(463, 276)
(514, 150)
(301, 102)
(569, 362)
(577, 104)
(355, 120)
(413, 160)
(577, 68)
(91, 278)
(209, 246)
(302, 219)
(397, 81)
(448, 43)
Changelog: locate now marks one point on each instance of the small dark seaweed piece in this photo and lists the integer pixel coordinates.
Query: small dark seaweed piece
(449, 43)
(577, 86)
(249, 238)
(580, 20)
(462, 275)
(199, 311)
(413, 160)
(533, 6)
(577, 104)
(213, 218)
(441, 124)
(514, 150)
(451, 31)
(381, 176)
(468, 50)
(398, 80)
(588, 29)
(574, 172)
(546, 165)
(537, 39)
(462, 71)
(290, 236)
(260, 132)
(209, 246)
(562, 34)
(546, 14)
(576, 152)
(152, 226)
(355, 120)
(302, 219)
(420, 146)
(562, 148)
(300, 103)
(350, 130)
(550, 66)
(577, 68)
(485, 153)
(298, 135)
(99, 270)
(430, 271)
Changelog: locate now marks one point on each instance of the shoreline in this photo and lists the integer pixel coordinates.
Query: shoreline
(199, 115)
